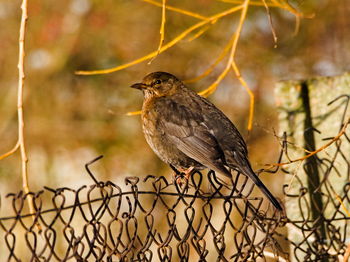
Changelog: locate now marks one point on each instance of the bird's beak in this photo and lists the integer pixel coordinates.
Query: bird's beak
(139, 86)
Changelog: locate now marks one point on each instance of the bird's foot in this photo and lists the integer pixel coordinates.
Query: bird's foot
(183, 176)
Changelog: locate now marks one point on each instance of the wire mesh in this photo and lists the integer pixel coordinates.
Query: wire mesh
(141, 221)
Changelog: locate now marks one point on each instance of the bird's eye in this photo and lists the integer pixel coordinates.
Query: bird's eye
(157, 82)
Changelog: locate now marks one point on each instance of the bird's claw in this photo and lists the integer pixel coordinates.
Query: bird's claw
(181, 179)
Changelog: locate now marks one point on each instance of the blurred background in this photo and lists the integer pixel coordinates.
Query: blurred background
(71, 119)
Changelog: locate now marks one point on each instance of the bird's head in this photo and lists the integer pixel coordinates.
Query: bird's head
(158, 84)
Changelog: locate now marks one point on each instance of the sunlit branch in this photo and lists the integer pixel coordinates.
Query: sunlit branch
(161, 31)
(10, 152)
(250, 93)
(336, 138)
(217, 61)
(164, 47)
(177, 10)
(237, 34)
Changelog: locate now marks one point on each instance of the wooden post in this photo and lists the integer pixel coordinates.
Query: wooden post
(315, 186)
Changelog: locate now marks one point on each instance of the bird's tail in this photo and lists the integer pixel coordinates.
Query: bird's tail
(247, 170)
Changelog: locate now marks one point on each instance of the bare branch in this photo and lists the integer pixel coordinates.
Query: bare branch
(237, 34)
(161, 31)
(173, 42)
(336, 138)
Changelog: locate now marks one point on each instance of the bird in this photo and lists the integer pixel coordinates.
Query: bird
(189, 133)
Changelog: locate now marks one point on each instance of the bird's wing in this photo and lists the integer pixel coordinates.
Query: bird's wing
(207, 136)
(186, 129)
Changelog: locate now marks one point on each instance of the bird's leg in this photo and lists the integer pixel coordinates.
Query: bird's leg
(185, 173)
(188, 172)
(181, 173)
(177, 175)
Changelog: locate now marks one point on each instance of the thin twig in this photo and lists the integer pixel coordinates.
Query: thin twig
(20, 96)
(295, 172)
(134, 113)
(166, 46)
(270, 21)
(342, 204)
(237, 34)
(297, 25)
(10, 152)
(200, 32)
(217, 61)
(252, 3)
(273, 3)
(250, 93)
(336, 138)
(20, 144)
(21, 77)
(178, 10)
(255, 3)
(161, 31)
(285, 5)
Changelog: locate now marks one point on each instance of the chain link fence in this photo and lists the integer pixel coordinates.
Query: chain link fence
(148, 220)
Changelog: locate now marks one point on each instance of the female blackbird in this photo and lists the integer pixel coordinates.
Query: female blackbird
(188, 132)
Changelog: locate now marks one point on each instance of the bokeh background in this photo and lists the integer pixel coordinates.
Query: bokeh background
(71, 119)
